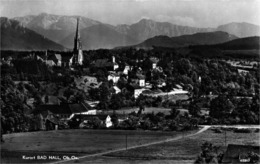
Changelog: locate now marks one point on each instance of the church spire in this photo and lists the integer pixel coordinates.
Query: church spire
(77, 43)
(77, 52)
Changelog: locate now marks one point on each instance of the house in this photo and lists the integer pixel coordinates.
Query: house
(105, 63)
(86, 82)
(241, 154)
(7, 60)
(135, 89)
(93, 104)
(139, 80)
(67, 60)
(115, 65)
(113, 76)
(84, 119)
(154, 62)
(53, 60)
(59, 113)
(45, 120)
(126, 69)
(117, 90)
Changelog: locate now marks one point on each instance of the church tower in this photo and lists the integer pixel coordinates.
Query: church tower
(77, 51)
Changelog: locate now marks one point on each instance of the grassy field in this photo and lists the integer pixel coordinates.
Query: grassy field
(71, 142)
(187, 149)
(82, 142)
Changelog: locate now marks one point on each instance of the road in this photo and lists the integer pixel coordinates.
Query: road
(204, 128)
(234, 126)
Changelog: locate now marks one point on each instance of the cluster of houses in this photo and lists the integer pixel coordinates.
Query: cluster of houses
(51, 115)
(56, 116)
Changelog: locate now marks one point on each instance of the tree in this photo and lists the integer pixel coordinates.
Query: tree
(67, 93)
(114, 119)
(131, 123)
(116, 102)
(183, 66)
(209, 154)
(104, 96)
(95, 122)
(174, 113)
(194, 109)
(220, 107)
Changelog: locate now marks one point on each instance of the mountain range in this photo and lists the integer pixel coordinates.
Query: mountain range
(16, 37)
(208, 38)
(95, 34)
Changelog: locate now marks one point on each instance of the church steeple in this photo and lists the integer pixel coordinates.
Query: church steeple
(78, 57)
(77, 42)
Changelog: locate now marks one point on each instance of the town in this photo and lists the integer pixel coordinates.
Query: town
(199, 101)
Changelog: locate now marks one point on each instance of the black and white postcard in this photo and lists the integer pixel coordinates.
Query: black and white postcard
(130, 81)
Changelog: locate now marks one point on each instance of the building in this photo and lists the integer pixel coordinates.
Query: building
(116, 89)
(57, 114)
(115, 65)
(154, 62)
(135, 89)
(77, 50)
(236, 154)
(84, 119)
(113, 76)
(126, 69)
(86, 82)
(105, 63)
(139, 80)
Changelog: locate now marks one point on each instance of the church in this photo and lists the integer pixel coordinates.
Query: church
(77, 50)
(67, 59)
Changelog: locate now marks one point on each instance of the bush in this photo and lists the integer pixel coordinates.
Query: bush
(242, 131)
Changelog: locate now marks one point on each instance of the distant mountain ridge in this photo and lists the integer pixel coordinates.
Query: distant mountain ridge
(61, 29)
(147, 28)
(55, 27)
(99, 36)
(240, 29)
(14, 36)
(207, 38)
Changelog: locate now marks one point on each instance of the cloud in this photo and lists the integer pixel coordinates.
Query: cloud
(178, 20)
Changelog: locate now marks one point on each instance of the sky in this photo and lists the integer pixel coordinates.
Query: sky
(196, 13)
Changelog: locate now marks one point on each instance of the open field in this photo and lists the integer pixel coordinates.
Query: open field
(182, 151)
(86, 142)
(188, 148)
(71, 142)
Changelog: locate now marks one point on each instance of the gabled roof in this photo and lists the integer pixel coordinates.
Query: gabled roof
(79, 108)
(103, 63)
(89, 117)
(154, 60)
(53, 58)
(58, 57)
(113, 74)
(62, 109)
(140, 76)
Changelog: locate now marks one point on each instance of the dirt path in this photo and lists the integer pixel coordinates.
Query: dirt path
(133, 147)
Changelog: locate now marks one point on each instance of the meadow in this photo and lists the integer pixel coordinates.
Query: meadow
(74, 142)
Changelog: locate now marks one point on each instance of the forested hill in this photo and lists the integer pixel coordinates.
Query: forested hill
(241, 44)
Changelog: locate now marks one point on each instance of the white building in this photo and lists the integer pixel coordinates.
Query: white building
(114, 77)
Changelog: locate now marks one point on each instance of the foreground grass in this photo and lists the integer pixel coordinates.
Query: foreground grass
(71, 142)
(188, 149)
